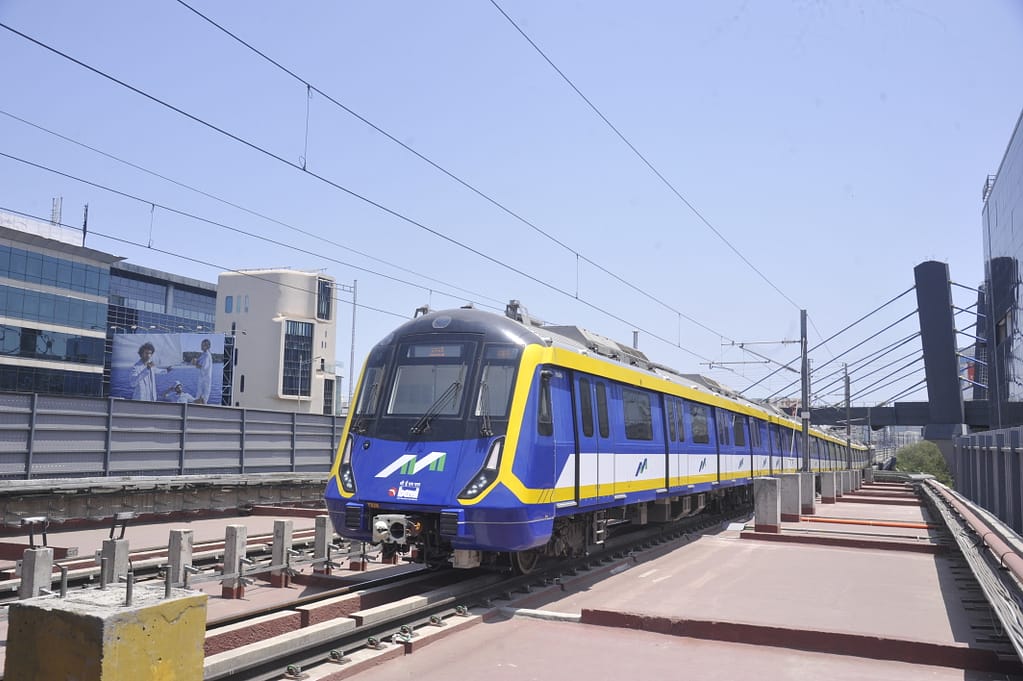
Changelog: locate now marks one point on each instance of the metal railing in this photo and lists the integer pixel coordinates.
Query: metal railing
(986, 468)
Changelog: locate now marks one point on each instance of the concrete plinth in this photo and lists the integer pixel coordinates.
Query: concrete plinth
(94, 636)
(280, 552)
(235, 540)
(179, 554)
(791, 507)
(766, 505)
(36, 572)
(868, 476)
(321, 544)
(808, 493)
(828, 486)
(116, 552)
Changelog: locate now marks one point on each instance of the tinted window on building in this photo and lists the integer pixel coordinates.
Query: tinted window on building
(324, 298)
(298, 359)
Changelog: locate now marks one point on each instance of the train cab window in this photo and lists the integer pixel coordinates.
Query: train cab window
(638, 421)
(430, 379)
(369, 392)
(544, 413)
(586, 406)
(602, 425)
(698, 422)
(739, 430)
(496, 380)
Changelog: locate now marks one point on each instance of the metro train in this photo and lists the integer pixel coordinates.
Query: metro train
(480, 439)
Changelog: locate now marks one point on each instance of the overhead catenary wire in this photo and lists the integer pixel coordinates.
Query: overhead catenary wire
(223, 268)
(235, 229)
(390, 211)
(250, 211)
(464, 183)
(214, 223)
(641, 157)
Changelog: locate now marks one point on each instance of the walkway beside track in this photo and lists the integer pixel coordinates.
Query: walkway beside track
(866, 589)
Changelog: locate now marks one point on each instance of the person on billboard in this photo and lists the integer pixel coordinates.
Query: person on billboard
(205, 364)
(178, 394)
(143, 374)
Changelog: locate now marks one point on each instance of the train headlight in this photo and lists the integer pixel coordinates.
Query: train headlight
(486, 475)
(344, 472)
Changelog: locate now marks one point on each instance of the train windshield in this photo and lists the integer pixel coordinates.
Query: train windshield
(430, 379)
(437, 389)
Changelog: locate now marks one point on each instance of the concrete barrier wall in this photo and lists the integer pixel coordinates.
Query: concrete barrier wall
(49, 436)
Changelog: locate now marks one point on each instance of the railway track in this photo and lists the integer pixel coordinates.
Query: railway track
(394, 617)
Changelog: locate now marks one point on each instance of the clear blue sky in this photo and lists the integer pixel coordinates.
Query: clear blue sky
(835, 145)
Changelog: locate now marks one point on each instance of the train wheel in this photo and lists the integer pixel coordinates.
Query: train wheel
(525, 562)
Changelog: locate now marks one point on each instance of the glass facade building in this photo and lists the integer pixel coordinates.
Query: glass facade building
(1000, 298)
(62, 303)
(53, 312)
(149, 301)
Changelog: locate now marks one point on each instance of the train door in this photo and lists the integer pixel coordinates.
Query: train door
(701, 450)
(678, 464)
(774, 435)
(594, 462)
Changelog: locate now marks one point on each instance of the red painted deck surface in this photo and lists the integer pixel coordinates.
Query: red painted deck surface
(724, 606)
(752, 609)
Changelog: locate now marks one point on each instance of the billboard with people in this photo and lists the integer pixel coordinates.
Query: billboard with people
(168, 367)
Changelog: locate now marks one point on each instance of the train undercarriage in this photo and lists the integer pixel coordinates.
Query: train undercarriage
(417, 538)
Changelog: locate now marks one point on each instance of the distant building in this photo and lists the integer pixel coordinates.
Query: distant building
(1000, 299)
(284, 328)
(64, 307)
(53, 309)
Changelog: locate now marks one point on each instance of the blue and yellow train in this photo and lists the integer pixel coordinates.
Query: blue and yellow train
(476, 438)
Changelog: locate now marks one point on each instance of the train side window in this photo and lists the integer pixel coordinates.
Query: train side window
(638, 421)
(724, 422)
(669, 407)
(740, 430)
(681, 420)
(544, 414)
(698, 422)
(602, 426)
(754, 433)
(586, 405)
(787, 444)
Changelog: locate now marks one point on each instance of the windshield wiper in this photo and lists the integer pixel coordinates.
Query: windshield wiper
(423, 424)
(360, 423)
(485, 428)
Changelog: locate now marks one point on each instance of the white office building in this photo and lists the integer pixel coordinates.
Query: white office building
(284, 325)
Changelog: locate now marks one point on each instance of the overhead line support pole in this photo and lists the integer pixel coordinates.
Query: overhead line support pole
(804, 406)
